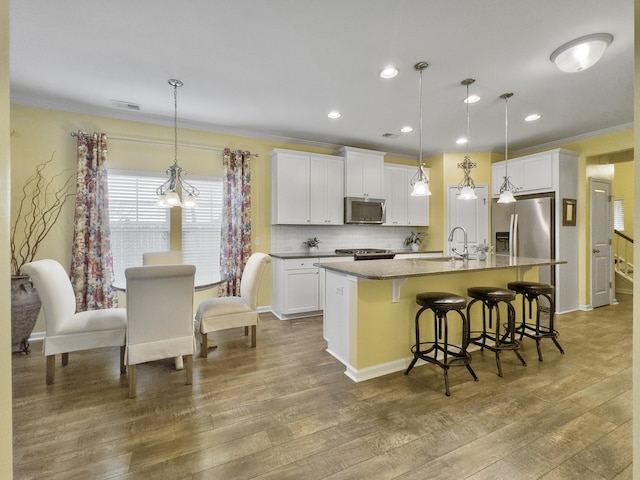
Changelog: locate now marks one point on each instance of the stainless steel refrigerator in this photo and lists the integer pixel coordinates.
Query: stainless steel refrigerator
(526, 229)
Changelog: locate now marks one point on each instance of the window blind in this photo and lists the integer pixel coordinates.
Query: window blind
(137, 225)
(618, 214)
(201, 230)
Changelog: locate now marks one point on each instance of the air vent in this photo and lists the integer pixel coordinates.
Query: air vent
(390, 135)
(126, 105)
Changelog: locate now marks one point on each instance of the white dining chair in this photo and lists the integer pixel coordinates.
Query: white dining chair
(159, 316)
(170, 257)
(221, 313)
(68, 330)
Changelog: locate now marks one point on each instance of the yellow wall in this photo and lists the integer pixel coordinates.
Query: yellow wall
(6, 454)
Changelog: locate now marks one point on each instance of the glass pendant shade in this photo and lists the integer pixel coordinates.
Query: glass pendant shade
(467, 193)
(420, 189)
(506, 197)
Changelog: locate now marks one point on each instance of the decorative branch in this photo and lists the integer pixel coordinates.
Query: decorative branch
(39, 207)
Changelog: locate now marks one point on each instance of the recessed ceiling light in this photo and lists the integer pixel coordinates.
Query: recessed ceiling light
(406, 129)
(389, 72)
(472, 99)
(461, 141)
(333, 115)
(532, 118)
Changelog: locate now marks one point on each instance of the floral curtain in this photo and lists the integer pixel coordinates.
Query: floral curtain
(92, 262)
(236, 219)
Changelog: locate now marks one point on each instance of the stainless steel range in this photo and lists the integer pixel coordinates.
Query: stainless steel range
(367, 253)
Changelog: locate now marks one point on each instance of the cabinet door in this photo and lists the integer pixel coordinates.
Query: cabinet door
(290, 189)
(335, 192)
(537, 173)
(373, 175)
(498, 172)
(364, 174)
(395, 192)
(318, 191)
(301, 291)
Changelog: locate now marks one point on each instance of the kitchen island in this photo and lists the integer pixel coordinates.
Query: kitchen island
(369, 306)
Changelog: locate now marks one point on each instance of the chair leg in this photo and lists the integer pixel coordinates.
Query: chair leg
(204, 349)
(189, 369)
(65, 359)
(123, 366)
(246, 331)
(132, 381)
(51, 369)
(253, 336)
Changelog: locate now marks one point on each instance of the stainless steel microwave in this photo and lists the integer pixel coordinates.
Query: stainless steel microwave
(364, 210)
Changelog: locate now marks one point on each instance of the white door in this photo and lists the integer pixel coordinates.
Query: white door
(600, 242)
(472, 215)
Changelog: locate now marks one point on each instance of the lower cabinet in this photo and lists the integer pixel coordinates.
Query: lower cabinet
(297, 288)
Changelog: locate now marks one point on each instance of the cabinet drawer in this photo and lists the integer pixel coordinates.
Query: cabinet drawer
(300, 263)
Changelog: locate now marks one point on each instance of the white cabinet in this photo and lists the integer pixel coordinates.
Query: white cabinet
(363, 172)
(402, 208)
(306, 188)
(297, 286)
(326, 197)
(535, 173)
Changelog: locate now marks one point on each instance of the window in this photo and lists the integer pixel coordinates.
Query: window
(618, 214)
(137, 225)
(201, 230)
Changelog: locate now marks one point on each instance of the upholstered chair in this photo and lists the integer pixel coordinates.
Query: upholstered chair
(68, 330)
(172, 257)
(230, 312)
(159, 316)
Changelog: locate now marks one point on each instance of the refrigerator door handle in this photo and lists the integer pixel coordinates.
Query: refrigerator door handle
(513, 236)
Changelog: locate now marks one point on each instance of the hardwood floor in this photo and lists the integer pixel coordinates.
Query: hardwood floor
(285, 410)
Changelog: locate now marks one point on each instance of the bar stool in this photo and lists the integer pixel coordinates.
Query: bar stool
(532, 291)
(491, 298)
(451, 355)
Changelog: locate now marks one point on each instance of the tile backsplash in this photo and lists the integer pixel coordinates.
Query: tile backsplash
(291, 238)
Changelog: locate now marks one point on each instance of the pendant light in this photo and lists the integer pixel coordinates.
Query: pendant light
(420, 180)
(507, 189)
(467, 187)
(167, 195)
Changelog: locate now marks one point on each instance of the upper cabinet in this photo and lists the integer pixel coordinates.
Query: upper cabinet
(306, 188)
(537, 173)
(402, 208)
(363, 172)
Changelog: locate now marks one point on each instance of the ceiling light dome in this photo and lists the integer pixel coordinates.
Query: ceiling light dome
(581, 53)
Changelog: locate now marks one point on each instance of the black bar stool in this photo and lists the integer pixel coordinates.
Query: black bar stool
(491, 298)
(451, 355)
(532, 291)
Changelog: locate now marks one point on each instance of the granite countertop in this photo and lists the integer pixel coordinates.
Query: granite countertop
(418, 267)
(331, 253)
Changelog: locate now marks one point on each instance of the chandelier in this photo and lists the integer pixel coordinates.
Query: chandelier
(467, 187)
(507, 189)
(420, 180)
(167, 195)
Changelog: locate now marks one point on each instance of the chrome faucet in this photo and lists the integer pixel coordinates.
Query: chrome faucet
(464, 255)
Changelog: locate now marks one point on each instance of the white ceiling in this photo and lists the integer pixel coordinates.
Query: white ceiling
(275, 68)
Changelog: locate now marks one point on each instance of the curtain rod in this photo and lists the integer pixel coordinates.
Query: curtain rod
(158, 142)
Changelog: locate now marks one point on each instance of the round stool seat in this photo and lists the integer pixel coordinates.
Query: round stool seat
(441, 301)
(531, 288)
(493, 294)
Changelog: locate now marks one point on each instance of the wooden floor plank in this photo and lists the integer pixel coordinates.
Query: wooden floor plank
(286, 410)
